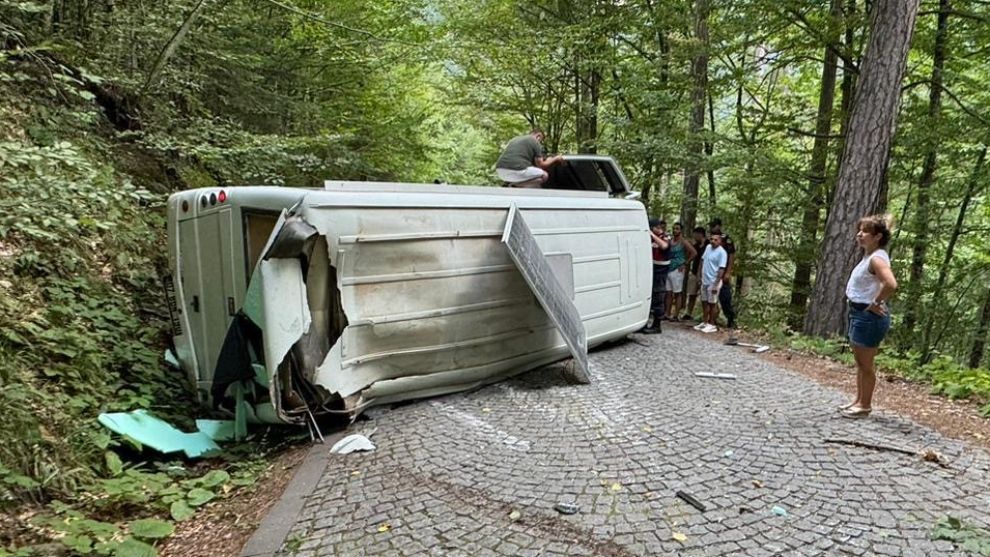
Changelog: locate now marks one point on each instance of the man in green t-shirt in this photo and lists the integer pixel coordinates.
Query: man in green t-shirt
(522, 164)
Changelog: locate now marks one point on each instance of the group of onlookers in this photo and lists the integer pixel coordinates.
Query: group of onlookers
(686, 269)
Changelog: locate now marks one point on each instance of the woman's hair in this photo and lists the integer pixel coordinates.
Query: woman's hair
(878, 224)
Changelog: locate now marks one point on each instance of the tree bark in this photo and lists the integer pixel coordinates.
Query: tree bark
(699, 74)
(922, 213)
(943, 271)
(710, 151)
(815, 195)
(848, 87)
(871, 128)
(980, 339)
(171, 46)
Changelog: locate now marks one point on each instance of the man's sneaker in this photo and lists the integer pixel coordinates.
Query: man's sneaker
(650, 331)
(687, 317)
(700, 326)
(709, 329)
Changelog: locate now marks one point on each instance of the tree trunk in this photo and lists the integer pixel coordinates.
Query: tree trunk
(171, 46)
(980, 339)
(922, 213)
(699, 73)
(588, 85)
(848, 87)
(710, 151)
(943, 271)
(815, 196)
(871, 128)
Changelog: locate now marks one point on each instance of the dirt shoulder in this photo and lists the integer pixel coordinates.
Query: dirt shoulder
(958, 419)
(226, 525)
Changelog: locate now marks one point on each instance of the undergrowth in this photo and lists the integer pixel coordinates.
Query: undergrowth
(946, 376)
(82, 331)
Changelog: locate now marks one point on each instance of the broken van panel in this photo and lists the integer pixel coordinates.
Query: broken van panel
(301, 302)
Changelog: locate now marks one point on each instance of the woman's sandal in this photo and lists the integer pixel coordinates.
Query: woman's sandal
(846, 406)
(856, 412)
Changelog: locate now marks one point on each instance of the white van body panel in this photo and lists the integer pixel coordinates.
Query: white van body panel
(433, 302)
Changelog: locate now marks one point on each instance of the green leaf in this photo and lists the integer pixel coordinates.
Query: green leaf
(114, 464)
(180, 510)
(214, 478)
(130, 547)
(199, 496)
(152, 528)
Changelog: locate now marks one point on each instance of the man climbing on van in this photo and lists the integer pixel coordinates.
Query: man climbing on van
(522, 164)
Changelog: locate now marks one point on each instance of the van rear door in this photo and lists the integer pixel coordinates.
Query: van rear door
(206, 265)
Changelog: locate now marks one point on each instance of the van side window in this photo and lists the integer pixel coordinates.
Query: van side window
(258, 227)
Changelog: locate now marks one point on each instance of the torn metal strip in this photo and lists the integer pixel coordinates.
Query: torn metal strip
(554, 298)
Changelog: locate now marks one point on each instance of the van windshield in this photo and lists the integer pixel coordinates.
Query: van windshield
(586, 174)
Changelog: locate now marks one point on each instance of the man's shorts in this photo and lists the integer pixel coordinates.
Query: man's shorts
(694, 285)
(709, 297)
(675, 281)
(518, 176)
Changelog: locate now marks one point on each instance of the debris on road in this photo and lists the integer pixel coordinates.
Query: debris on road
(710, 375)
(679, 536)
(352, 443)
(928, 455)
(566, 508)
(757, 348)
(515, 515)
(142, 427)
(690, 500)
(779, 511)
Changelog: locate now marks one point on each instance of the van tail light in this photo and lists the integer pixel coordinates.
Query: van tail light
(222, 197)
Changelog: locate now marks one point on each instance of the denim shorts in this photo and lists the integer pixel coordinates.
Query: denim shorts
(867, 329)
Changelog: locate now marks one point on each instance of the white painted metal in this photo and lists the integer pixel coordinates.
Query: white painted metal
(433, 300)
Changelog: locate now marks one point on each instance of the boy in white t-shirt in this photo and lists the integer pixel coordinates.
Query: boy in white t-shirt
(712, 270)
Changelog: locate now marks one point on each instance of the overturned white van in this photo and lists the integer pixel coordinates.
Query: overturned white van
(291, 303)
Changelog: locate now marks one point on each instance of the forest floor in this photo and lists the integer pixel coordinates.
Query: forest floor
(224, 529)
(226, 525)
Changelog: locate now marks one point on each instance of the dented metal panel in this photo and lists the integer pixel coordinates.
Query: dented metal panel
(406, 293)
(552, 295)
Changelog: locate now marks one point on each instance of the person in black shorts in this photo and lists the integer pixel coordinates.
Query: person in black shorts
(725, 294)
(700, 241)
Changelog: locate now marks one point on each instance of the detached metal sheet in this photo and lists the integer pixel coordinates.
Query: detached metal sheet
(554, 298)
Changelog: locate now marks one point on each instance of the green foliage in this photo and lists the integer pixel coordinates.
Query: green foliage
(967, 538)
(946, 376)
(94, 525)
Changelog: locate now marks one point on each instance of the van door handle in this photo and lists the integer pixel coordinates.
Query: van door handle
(195, 304)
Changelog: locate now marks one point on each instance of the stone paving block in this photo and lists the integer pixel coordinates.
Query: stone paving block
(448, 471)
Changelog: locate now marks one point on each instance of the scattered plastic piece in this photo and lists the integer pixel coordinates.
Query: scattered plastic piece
(729, 453)
(384, 527)
(158, 434)
(778, 510)
(715, 375)
(679, 537)
(687, 498)
(566, 508)
(761, 349)
(515, 515)
(171, 360)
(352, 443)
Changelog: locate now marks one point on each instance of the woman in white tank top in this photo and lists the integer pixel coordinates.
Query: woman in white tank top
(870, 285)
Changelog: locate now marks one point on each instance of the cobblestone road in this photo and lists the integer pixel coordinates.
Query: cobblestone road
(451, 473)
